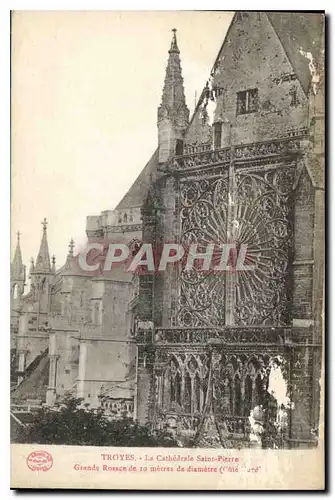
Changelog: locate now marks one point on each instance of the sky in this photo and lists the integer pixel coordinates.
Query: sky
(86, 86)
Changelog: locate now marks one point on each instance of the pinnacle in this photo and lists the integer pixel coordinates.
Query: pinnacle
(43, 258)
(17, 265)
(173, 97)
(174, 47)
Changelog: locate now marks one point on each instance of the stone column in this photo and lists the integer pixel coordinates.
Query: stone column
(82, 369)
(145, 387)
(166, 390)
(231, 238)
(51, 392)
(159, 374)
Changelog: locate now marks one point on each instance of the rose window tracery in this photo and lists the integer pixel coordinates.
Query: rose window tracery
(259, 219)
(203, 222)
(263, 224)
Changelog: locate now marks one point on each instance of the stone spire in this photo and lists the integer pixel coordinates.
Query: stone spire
(173, 114)
(43, 258)
(18, 269)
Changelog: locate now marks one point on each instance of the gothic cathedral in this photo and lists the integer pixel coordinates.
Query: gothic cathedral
(221, 359)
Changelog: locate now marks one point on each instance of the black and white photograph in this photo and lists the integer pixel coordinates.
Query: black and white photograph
(167, 234)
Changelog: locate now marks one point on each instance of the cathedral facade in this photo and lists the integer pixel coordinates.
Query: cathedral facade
(221, 359)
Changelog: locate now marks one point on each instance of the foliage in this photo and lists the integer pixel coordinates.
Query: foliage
(72, 423)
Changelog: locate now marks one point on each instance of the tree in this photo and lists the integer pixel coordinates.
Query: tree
(72, 423)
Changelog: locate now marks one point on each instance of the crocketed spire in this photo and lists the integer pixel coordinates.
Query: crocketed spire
(18, 269)
(173, 98)
(173, 114)
(43, 259)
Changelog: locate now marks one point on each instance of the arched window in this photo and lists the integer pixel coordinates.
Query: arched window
(237, 396)
(176, 389)
(175, 384)
(197, 394)
(187, 393)
(247, 395)
(259, 388)
(179, 147)
(15, 291)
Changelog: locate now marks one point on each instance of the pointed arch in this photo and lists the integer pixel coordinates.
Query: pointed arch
(248, 385)
(178, 389)
(237, 396)
(198, 396)
(192, 365)
(173, 383)
(187, 393)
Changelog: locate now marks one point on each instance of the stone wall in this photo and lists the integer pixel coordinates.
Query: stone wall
(257, 62)
(303, 249)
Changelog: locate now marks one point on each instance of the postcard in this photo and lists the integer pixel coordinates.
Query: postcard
(168, 188)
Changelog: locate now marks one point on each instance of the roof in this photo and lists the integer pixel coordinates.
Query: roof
(35, 383)
(136, 195)
(118, 273)
(300, 34)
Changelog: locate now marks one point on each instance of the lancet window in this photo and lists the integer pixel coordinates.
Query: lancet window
(184, 385)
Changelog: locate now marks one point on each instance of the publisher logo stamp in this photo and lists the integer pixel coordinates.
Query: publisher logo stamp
(39, 461)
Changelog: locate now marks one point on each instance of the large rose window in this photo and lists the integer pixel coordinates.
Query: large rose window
(259, 217)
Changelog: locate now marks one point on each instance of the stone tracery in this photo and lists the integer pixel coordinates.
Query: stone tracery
(260, 219)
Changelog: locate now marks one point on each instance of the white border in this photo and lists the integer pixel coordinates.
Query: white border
(5, 162)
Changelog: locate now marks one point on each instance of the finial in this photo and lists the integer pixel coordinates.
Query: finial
(174, 46)
(18, 236)
(44, 224)
(71, 246)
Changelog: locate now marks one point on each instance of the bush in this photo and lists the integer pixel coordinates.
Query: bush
(71, 423)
